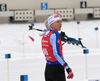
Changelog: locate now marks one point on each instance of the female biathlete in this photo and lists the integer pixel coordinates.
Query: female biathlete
(52, 49)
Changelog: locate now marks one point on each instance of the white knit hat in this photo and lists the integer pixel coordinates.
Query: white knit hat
(54, 18)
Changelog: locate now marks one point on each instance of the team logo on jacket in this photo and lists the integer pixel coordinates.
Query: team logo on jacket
(58, 41)
(44, 41)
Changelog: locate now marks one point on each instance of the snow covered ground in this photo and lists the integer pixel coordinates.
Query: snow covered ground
(27, 57)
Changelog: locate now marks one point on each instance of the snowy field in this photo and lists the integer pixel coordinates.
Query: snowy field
(27, 57)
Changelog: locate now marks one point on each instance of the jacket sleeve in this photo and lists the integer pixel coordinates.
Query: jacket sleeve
(56, 50)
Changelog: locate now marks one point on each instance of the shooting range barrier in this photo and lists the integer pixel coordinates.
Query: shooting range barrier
(65, 13)
(41, 15)
(23, 15)
(43, 12)
(96, 12)
(83, 11)
(6, 13)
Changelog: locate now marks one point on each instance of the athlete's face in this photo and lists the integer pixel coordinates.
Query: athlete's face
(57, 25)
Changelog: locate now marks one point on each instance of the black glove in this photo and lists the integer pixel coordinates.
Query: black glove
(62, 34)
(70, 73)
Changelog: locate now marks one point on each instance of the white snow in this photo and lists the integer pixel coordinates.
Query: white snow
(27, 57)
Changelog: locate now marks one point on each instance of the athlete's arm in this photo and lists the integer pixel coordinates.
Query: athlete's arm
(56, 50)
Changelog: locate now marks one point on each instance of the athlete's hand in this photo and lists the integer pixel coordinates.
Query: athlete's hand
(70, 75)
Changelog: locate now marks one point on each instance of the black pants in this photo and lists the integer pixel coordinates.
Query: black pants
(54, 73)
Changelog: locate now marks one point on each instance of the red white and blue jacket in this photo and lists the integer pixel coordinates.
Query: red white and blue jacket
(52, 47)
